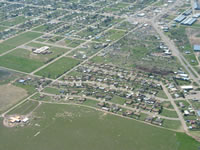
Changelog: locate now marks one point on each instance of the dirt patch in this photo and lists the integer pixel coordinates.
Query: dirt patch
(154, 70)
(15, 120)
(193, 35)
(10, 95)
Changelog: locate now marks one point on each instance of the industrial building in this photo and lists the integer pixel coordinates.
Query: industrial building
(187, 12)
(42, 50)
(189, 21)
(180, 18)
(197, 48)
(196, 5)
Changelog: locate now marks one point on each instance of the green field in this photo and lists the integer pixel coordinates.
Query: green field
(72, 127)
(118, 100)
(15, 21)
(22, 38)
(20, 60)
(58, 68)
(24, 108)
(111, 35)
(169, 113)
(17, 41)
(2, 28)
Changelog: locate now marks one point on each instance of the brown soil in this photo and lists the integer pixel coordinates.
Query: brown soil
(10, 95)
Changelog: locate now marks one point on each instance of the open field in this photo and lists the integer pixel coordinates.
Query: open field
(24, 108)
(14, 21)
(57, 122)
(57, 68)
(17, 41)
(169, 113)
(20, 60)
(10, 96)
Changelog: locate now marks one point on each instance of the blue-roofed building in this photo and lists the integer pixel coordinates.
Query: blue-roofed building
(197, 48)
(180, 18)
(189, 21)
(196, 5)
(198, 113)
(187, 12)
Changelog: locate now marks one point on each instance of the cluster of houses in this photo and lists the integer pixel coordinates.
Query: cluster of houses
(190, 114)
(106, 93)
(165, 49)
(175, 88)
(38, 83)
(154, 120)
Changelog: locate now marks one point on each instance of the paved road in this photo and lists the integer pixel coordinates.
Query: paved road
(177, 53)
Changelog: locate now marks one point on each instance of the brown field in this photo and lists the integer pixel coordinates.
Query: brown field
(193, 35)
(10, 95)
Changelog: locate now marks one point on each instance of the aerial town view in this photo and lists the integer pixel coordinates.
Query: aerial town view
(100, 74)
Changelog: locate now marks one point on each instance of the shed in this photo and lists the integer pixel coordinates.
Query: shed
(198, 113)
(197, 48)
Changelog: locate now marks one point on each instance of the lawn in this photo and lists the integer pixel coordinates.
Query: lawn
(17, 41)
(24, 108)
(161, 94)
(55, 52)
(73, 42)
(172, 124)
(22, 38)
(2, 28)
(169, 113)
(58, 68)
(52, 90)
(20, 60)
(15, 21)
(118, 100)
(73, 127)
(111, 35)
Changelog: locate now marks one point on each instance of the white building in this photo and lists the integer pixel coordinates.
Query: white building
(41, 50)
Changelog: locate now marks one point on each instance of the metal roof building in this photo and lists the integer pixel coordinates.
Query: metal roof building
(189, 21)
(196, 5)
(180, 18)
(196, 48)
(187, 12)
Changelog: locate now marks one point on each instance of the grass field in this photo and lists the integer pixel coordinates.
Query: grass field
(111, 35)
(20, 60)
(10, 96)
(15, 21)
(118, 100)
(74, 128)
(2, 28)
(58, 68)
(51, 90)
(55, 52)
(169, 113)
(22, 38)
(24, 108)
(17, 41)
(161, 94)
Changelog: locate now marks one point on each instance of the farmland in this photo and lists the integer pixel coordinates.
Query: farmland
(58, 121)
